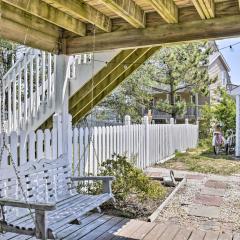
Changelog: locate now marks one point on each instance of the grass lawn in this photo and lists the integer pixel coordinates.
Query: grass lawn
(203, 160)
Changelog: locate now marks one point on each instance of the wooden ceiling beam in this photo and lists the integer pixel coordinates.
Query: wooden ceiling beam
(81, 10)
(21, 27)
(221, 27)
(128, 10)
(205, 8)
(48, 13)
(13, 31)
(167, 9)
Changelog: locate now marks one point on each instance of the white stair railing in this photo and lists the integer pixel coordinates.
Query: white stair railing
(28, 94)
(28, 89)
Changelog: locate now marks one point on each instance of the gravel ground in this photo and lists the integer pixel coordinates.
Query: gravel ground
(177, 211)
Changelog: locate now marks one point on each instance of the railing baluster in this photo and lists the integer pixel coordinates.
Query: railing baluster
(9, 104)
(37, 87)
(19, 97)
(14, 101)
(49, 79)
(31, 90)
(25, 91)
(43, 78)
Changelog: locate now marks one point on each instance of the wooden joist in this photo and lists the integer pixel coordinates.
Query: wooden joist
(81, 10)
(46, 12)
(28, 30)
(167, 9)
(159, 35)
(128, 10)
(205, 8)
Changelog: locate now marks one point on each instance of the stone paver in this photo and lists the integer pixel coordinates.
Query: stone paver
(204, 211)
(213, 191)
(208, 200)
(216, 184)
(195, 177)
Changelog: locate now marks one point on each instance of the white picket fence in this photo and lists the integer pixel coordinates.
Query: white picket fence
(146, 144)
(88, 148)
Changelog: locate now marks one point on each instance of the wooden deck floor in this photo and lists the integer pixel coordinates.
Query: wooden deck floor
(101, 227)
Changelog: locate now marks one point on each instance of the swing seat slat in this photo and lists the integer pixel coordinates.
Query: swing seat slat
(51, 196)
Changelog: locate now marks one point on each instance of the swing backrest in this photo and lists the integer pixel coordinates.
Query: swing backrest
(41, 181)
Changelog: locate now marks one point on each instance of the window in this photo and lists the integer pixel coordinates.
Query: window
(167, 98)
(177, 98)
(193, 99)
(223, 77)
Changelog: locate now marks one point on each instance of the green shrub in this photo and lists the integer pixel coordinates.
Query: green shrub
(130, 180)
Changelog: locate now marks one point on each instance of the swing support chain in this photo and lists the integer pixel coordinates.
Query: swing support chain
(4, 147)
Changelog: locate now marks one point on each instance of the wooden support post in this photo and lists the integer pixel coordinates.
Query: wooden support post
(41, 224)
(127, 121)
(237, 148)
(147, 160)
(107, 186)
(197, 107)
(61, 96)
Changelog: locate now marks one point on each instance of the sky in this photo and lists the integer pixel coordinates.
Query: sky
(232, 56)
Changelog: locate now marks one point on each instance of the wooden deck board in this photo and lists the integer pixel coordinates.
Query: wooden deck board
(170, 232)
(156, 232)
(211, 236)
(225, 236)
(95, 226)
(111, 232)
(197, 235)
(183, 234)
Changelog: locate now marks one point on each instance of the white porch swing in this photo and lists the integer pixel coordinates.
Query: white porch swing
(28, 192)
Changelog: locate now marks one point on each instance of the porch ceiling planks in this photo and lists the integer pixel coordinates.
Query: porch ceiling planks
(81, 10)
(205, 8)
(167, 9)
(46, 12)
(121, 24)
(128, 10)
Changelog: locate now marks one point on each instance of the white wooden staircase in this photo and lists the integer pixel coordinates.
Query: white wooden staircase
(29, 86)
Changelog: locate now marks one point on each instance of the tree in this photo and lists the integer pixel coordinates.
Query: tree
(172, 69)
(133, 96)
(225, 111)
(7, 55)
(179, 68)
(207, 122)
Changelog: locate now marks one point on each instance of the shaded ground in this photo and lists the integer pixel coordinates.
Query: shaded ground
(203, 160)
(135, 208)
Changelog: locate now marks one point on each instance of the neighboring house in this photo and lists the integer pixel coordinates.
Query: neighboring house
(219, 68)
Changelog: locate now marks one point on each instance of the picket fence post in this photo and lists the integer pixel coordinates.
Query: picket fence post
(127, 121)
(147, 137)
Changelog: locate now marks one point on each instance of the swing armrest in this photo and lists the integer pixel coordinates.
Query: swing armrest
(94, 178)
(107, 181)
(32, 205)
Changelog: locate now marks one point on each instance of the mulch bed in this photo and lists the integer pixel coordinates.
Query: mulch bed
(135, 208)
